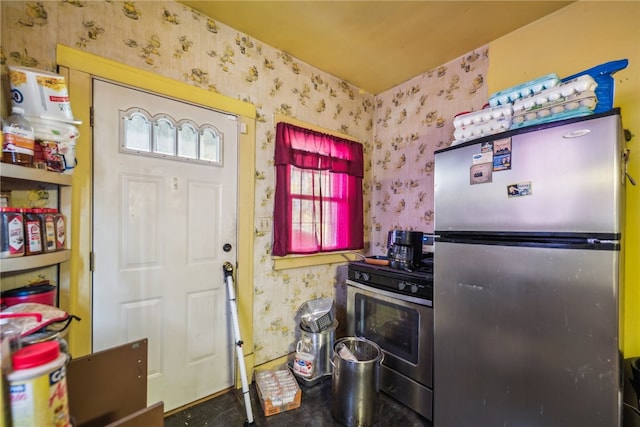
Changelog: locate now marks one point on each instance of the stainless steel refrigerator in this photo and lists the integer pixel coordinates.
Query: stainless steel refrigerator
(526, 277)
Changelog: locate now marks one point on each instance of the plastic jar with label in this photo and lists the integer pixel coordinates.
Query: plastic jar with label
(61, 230)
(18, 139)
(38, 386)
(9, 343)
(49, 227)
(304, 360)
(11, 233)
(33, 232)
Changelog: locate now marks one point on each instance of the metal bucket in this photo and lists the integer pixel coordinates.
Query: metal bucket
(322, 347)
(355, 384)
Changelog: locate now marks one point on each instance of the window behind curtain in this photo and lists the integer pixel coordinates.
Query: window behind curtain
(318, 197)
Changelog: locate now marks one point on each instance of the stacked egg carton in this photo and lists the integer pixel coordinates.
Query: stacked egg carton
(278, 391)
(602, 74)
(476, 124)
(498, 115)
(541, 100)
(573, 98)
(523, 90)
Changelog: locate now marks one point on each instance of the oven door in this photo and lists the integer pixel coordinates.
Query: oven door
(402, 329)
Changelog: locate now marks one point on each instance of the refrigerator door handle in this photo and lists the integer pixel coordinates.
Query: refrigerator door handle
(602, 242)
(625, 158)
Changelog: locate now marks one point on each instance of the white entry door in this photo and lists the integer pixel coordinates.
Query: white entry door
(161, 221)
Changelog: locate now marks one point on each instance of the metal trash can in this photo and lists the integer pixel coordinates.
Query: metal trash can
(321, 347)
(355, 383)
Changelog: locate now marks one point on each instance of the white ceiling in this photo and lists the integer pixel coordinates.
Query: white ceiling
(375, 45)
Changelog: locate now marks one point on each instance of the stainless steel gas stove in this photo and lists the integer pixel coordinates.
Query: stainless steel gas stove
(394, 309)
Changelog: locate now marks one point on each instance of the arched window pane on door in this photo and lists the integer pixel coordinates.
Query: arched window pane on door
(187, 141)
(164, 137)
(137, 132)
(210, 145)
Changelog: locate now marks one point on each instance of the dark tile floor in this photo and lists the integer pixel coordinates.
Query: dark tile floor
(228, 410)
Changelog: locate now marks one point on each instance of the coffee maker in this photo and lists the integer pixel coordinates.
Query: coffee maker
(405, 249)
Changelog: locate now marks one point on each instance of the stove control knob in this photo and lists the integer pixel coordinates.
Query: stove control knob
(357, 274)
(366, 276)
(414, 288)
(401, 286)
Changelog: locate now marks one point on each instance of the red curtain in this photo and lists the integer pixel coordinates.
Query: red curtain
(318, 197)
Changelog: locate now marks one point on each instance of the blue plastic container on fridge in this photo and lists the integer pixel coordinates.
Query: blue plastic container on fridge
(602, 75)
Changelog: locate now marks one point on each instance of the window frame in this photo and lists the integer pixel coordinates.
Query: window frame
(353, 174)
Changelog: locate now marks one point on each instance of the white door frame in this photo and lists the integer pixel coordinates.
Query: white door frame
(79, 68)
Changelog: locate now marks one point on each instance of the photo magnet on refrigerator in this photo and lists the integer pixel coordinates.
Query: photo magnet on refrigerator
(502, 154)
(519, 189)
(482, 158)
(501, 163)
(481, 173)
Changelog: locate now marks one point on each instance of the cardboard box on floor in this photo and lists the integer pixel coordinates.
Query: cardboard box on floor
(109, 388)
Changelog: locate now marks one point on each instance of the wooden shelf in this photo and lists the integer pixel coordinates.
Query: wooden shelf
(32, 175)
(34, 261)
(21, 180)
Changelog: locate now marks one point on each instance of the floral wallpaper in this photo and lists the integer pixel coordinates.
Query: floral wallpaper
(400, 128)
(411, 121)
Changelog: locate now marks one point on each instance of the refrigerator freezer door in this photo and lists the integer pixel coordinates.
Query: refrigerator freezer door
(574, 172)
(525, 336)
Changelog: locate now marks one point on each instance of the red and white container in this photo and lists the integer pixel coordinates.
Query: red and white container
(49, 228)
(61, 230)
(42, 293)
(11, 232)
(38, 386)
(304, 360)
(33, 232)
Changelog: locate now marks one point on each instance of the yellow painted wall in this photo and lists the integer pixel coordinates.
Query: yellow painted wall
(576, 38)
